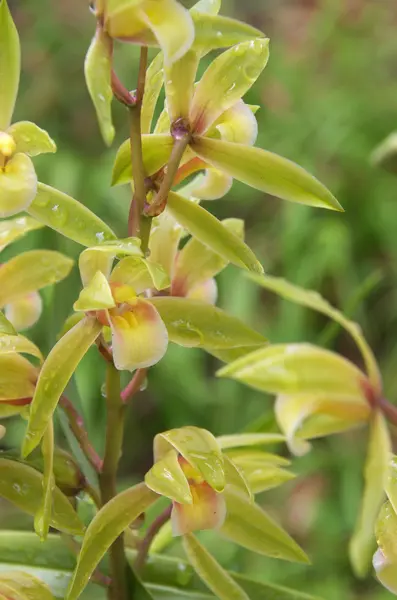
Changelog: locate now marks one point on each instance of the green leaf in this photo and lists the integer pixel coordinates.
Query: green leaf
(42, 518)
(140, 274)
(313, 300)
(195, 324)
(69, 217)
(10, 63)
(196, 262)
(226, 81)
(179, 81)
(156, 149)
(97, 70)
(211, 572)
(22, 485)
(261, 478)
(17, 377)
(13, 229)
(265, 171)
(385, 531)
(297, 369)
(249, 526)
(32, 271)
(54, 377)
(107, 525)
(241, 440)
(97, 295)
(167, 478)
(210, 232)
(376, 473)
(6, 328)
(213, 31)
(199, 447)
(236, 478)
(167, 577)
(154, 83)
(17, 585)
(31, 139)
(18, 343)
(18, 185)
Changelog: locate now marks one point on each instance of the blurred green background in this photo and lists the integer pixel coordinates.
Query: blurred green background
(328, 96)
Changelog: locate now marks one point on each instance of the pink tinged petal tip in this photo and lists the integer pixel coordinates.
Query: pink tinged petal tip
(139, 336)
(205, 291)
(208, 511)
(24, 311)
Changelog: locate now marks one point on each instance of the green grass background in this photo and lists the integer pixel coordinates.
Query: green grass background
(328, 96)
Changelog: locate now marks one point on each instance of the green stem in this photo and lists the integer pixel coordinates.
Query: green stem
(151, 533)
(107, 478)
(135, 216)
(178, 150)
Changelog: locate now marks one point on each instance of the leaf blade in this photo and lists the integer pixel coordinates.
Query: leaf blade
(10, 64)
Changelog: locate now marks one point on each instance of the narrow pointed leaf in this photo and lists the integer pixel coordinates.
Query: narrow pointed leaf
(10, 63)
(297, 369)
(17, 585)
(385, 155)
(13, 229)
(239, 440)
(107, 525)
(315, 301)
(211, 572)
(236, 478)
(167, 478)
(210, 232)
(31, 139)
(69, 217)
(18, 185)
(42, 518)
(362, 543)
(54, 376)
(265, 171)
(226, 81)
(18, 343)
(249, 526)
(199, 448)
(266, 477)
(192, 323)
(154, 83)
(197, 263)
(156, 152)
(22, 485)
(17, 377)
(32, 271)
(97, 69)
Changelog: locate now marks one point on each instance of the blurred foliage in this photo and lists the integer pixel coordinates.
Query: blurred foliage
(328, 97)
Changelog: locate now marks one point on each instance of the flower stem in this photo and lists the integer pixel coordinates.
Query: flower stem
(389, 410)
(134, 385)
(151, 533)
(160, 200)
(135, 225)
(76, 425)
(107, 478)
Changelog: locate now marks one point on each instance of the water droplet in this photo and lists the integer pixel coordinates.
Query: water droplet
(100, 236)
(103, 390)
(143, 385)
(16, 487)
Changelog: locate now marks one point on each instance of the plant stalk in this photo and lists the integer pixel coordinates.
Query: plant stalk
(135, 217)
(151, 533)
(134, 385)
(108, 476)
(76, 425)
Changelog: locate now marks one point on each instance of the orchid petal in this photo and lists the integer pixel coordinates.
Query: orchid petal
(18, 185)
(164, 240)
(17, 377)
(24, 311)
(154, 83)
(207, 292)
(97, 295)
(207, 511)
(139, 337)
(237, 124)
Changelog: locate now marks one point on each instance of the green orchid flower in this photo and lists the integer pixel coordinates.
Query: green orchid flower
(18, 141)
